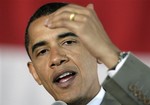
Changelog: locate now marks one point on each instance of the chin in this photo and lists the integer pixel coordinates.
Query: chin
(70, 100)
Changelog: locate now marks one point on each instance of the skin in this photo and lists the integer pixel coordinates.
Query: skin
(74, 53)
(89, 29)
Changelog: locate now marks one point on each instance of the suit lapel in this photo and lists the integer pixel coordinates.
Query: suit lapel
(109, 100)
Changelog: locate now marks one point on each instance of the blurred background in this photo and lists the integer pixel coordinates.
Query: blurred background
(127, 23)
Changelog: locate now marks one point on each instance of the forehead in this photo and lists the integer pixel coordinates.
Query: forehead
(38, 31)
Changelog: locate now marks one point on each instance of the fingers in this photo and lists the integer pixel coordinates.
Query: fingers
(73, 8)
(61, 18)
(64, 18)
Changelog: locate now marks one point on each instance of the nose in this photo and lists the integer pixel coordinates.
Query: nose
(57, 58)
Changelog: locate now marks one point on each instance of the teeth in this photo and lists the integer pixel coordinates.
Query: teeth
(65, 74)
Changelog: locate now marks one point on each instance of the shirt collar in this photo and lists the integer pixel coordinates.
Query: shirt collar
(97, 100)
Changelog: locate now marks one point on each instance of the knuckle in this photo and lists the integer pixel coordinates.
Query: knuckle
(63, 23)
(65, 15)
(85, 18)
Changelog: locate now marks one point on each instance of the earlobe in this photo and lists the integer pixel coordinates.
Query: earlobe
(34, 73)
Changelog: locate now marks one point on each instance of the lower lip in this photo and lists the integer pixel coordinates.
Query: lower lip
(64, 83)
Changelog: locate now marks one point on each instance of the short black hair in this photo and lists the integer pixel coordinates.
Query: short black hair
(42, 11)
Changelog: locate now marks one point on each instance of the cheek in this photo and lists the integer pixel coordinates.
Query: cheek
(88, 66)
(42, 70)
(44, 74)
(86, 59)
(86, 63)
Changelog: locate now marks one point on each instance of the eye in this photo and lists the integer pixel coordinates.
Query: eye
(42, 52)
(69, 42)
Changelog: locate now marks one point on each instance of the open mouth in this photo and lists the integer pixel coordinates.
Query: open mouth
(64, 79)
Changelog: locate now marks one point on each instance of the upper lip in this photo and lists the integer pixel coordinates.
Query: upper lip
(57, 75)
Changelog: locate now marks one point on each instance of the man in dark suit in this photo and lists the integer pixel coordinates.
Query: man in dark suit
(65, 42)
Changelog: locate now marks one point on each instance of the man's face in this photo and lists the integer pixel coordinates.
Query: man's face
(61, 63)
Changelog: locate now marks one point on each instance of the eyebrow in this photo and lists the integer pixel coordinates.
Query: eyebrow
(61, 36)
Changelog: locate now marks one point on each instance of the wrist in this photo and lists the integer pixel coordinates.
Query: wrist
(122, 55)
(110, 58)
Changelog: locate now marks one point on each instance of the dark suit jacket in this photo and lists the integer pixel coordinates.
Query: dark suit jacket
(109, 100)
(130, 86)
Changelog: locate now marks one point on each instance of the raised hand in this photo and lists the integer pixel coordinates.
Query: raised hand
(84, 22)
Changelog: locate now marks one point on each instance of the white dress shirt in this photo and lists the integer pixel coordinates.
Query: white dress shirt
(97, 100)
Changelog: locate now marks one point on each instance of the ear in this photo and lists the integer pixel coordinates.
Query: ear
(34, 73)
(90, 6)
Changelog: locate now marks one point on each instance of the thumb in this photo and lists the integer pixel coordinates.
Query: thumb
(90, 6)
